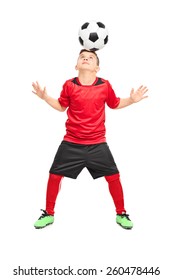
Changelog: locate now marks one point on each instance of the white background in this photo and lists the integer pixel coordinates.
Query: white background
(39, 41)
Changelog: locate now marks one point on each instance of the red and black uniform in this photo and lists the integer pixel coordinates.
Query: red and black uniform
(84, 144)
(86, 110)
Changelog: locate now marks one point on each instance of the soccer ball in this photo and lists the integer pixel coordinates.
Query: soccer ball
(93, 35)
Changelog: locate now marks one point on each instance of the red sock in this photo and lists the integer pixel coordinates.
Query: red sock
(116, 192)
(53, 187)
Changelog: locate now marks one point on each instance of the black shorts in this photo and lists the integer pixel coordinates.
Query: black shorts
(71, 158)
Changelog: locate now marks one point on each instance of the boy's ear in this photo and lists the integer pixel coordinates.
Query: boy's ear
(76, 68)
(97, 68)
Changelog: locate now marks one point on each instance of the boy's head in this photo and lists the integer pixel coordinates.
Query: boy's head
(93, 52)
(88, 61)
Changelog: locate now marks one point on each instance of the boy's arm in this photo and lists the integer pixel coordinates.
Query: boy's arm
(135, 96)
(42, 93)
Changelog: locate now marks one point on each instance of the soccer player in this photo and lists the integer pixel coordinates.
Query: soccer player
(84, 144)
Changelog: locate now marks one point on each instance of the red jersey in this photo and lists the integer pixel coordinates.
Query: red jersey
(86, 110)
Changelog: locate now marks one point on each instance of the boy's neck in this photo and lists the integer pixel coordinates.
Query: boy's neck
(87, 78)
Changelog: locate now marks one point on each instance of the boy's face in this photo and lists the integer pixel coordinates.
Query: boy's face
(87, 61)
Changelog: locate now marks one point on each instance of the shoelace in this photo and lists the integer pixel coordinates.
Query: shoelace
(44, 214)
(126, 215)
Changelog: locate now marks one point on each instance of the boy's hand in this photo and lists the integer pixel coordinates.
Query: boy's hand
(42, 93)
(138, 95)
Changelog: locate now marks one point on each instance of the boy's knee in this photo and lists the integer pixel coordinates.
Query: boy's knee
(113, 177)
(55, 176)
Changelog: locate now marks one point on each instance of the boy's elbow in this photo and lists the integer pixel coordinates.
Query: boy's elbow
(62, 109)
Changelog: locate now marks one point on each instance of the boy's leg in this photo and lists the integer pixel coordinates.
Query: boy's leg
(116, 192)
(53, 187)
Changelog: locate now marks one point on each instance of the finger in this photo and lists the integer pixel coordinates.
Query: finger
(34, 87)
(132, 91)
(38, 85)
(146, 96)
(145, 90)
(142, 90)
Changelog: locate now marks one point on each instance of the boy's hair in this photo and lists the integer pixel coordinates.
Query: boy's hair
(84, 50)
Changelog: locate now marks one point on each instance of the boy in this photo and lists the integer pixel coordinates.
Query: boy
(84, 144)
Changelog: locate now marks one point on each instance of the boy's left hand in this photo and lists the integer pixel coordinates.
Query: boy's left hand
(137, 95)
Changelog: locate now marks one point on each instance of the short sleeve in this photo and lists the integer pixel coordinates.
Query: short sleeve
(112, 100)
(64, 96)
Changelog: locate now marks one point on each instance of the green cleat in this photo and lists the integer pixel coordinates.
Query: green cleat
(124, 221)
(44, 220)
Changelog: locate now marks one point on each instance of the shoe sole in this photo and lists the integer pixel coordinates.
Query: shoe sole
(43, 226)
(124, 227)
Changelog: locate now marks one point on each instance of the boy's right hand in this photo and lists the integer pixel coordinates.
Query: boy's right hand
(42, 93)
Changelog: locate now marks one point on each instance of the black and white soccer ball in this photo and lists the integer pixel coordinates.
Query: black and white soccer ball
(93, 35)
